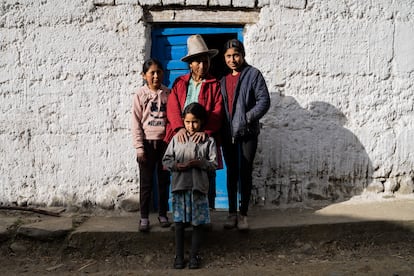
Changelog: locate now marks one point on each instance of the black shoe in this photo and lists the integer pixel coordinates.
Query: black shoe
(179, 262)
(208, 227)
(195, 262)
(144, 226)
(164, 222)
(231, 221)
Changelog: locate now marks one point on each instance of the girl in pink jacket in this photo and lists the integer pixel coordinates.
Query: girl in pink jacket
(149, 119)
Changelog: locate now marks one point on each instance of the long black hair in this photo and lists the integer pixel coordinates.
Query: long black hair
(197, 110)
(239, 47)
(149, 62)
(236, 44)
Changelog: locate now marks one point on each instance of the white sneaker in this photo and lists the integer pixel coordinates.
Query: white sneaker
(242, 223)
(231, 221)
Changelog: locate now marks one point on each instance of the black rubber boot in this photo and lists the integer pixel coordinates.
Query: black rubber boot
(195, 259)
(179, 246)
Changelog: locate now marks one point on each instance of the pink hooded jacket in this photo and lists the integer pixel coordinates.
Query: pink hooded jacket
(149, 115)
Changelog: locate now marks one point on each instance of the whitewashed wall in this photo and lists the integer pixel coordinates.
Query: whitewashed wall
(340, 73)
(68, 73)
(342, 115)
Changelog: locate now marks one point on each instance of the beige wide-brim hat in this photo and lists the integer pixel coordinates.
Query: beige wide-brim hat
(196, 46)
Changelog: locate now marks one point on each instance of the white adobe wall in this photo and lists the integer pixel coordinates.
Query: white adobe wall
(342, 113)
(68, 73)
(340, 74)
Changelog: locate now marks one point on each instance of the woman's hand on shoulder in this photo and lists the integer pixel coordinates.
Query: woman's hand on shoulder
(182, 135)
(199, 137)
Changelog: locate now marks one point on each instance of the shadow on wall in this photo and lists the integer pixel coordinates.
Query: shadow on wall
(307, 156)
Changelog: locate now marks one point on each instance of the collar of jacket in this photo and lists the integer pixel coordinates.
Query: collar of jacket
(207, 79)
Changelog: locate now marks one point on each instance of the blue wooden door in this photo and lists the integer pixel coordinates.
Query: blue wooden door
(169, 45)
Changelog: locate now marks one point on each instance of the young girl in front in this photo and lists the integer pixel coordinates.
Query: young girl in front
(149, 120)
(190, 163)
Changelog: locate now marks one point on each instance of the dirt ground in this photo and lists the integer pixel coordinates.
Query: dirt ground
(375, 253)
(351, 256)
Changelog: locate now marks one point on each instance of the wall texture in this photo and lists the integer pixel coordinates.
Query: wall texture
(340, 73)
(342, 116)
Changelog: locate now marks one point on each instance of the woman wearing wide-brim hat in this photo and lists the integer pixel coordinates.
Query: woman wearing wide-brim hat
(197, 47)
(197, 86)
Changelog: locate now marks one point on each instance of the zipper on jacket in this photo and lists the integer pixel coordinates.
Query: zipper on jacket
(185, 209)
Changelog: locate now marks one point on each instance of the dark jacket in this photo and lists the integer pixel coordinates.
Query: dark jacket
(251, 102)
